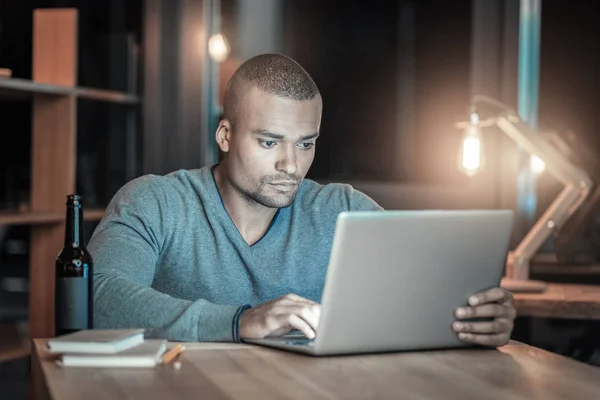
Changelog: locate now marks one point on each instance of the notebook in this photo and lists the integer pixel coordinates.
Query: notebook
(145, 355)
(104, 341)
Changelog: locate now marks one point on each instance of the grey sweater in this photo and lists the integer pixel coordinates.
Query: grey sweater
(168, 258)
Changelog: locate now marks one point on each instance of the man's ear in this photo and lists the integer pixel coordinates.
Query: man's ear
(223, 135)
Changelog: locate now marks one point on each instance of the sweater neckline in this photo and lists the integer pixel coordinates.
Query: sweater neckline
(227, 218)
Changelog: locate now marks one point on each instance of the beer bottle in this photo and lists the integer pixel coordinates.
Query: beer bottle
(73, 288)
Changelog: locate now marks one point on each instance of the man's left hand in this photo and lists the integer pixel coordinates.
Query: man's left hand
(496, 303)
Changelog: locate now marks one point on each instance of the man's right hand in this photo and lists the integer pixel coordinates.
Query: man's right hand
(280, 316)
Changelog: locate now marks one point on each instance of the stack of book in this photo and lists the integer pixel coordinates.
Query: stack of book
(107, 348)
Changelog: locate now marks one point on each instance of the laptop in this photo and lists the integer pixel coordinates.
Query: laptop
(395, 278)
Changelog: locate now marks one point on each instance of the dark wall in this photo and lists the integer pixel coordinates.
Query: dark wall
(569, 65)
(443, 44)
(351, 50)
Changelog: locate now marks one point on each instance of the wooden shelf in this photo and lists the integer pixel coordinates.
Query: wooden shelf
(93, 214)
(14, 342)
(560, 300)
(29, 218)
(33, 218)
(16, 88)
(24, 88)
(107, 96)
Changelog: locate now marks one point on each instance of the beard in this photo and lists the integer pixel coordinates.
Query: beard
(259, 194)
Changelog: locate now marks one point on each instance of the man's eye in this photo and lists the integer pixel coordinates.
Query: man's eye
(267, 143)
(306, 146)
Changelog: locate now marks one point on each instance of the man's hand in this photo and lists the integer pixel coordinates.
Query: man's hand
(280, 316)
(496, 303)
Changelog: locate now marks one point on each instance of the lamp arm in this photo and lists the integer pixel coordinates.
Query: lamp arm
(577, 183)
(569, 199)
(534, 143)
(502, 108)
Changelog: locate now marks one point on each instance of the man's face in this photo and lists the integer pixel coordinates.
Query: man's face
(272, 147)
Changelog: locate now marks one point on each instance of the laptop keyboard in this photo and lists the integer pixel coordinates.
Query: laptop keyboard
(300, 342)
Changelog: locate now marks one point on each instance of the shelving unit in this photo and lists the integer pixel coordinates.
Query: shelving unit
(53, 93)
(44, 218)
(16, 88)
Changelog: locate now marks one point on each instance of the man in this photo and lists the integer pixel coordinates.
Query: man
(240, 250)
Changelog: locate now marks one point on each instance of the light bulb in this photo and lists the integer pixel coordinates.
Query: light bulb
(471, 156)
(218, 48)
(537, 165)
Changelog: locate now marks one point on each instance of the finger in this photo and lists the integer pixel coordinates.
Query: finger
(494, 340)
(494, 295)
(306, 303)
(501, 325)
(509, 298)
(310, 314)
(486, 310)
(512, 311)
(291, 297)
(295, 322)
(316, 312)
(294, 298)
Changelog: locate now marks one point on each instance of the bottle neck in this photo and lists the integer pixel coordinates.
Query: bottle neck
(74, 228)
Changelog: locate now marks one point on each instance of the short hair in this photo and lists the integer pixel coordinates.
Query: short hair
(272, 73)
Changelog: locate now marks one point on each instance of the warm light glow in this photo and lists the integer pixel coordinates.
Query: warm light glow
(471, 152)
(537, 165)
(218, 48)
(471, 159)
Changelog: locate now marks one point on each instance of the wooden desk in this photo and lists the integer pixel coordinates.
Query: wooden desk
(561, 301)
(229, 371)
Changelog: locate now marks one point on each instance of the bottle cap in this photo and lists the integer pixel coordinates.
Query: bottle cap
(74, 199)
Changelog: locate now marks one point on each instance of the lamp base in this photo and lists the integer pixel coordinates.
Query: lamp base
(520, 286)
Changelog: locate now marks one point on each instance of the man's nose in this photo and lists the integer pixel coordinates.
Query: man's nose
(287, 161)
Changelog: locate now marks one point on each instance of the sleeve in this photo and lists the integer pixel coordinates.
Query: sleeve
(125, 249)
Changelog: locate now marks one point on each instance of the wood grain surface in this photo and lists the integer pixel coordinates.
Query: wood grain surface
(561, 301)
(229, 371)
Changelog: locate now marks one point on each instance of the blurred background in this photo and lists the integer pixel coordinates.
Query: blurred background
(395, 76)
